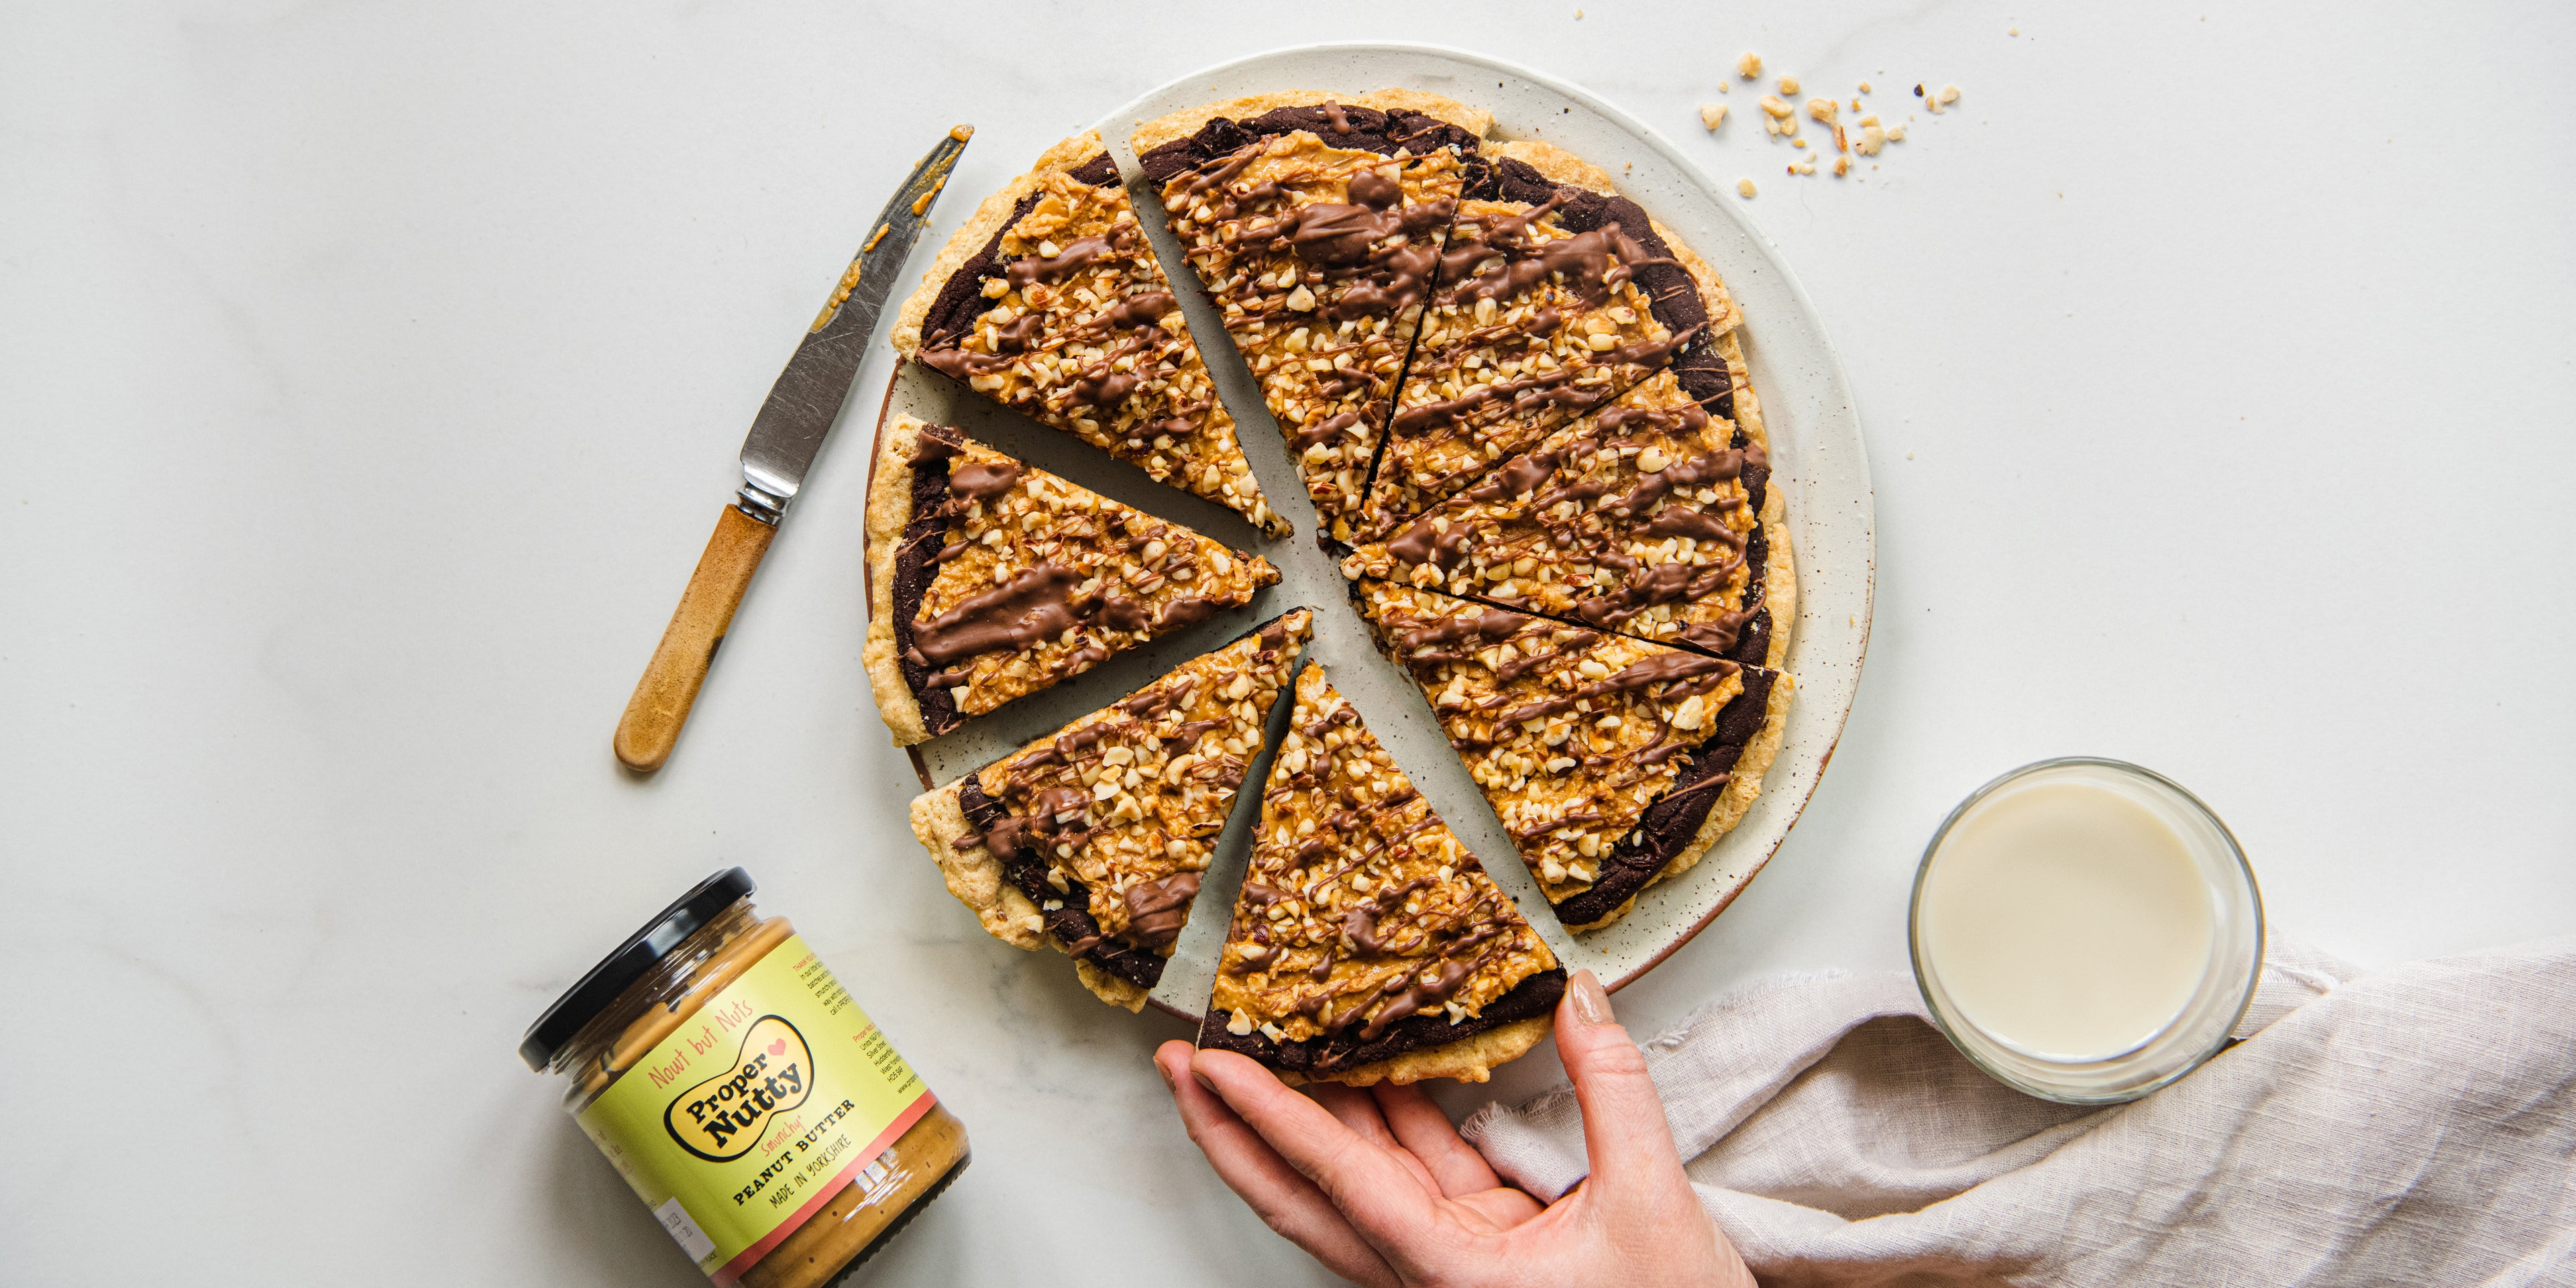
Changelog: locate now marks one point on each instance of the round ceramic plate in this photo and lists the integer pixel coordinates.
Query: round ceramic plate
(1816, 456)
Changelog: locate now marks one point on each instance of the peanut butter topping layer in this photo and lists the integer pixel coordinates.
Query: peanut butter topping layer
(1572, 733)
(1360, 910)
(1072, 322)
(1107, 825)
(1319, 258)
(1642, 518)
(1012, 579)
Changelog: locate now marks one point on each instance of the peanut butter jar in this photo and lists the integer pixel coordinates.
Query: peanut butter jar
(733, 1082)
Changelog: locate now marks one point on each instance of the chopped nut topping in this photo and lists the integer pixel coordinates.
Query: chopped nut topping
(1712, 115)
(1788, 85)
(1744, 187)
(1359, 907)
(1824, 110)
(1749, 66)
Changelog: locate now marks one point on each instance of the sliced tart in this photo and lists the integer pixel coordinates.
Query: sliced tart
(1093, 840)
(1555, 295)
(990, 579)
(1368, 945)
(1651, 517)
(1049, 302)
(1316, 225)
(1614, 763)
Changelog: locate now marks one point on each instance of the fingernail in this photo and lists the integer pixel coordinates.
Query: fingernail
(1201, 1079)
(1168, 1084)
(1591, 1005)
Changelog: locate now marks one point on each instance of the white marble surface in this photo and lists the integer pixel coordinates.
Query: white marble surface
(373, 375)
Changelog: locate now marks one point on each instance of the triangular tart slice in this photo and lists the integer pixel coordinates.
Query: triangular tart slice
(1049, 302)
(1555, 295)
(1368, 945)
(1613, 763)
(1093, 840)
(1650, 517)
(990, 579)
(1315, 225)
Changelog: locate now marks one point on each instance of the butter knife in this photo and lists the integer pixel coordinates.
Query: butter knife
(784, 438)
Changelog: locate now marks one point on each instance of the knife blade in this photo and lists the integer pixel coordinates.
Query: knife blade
(785, 436)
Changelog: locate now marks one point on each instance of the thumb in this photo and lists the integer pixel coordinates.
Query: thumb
(1624, 1132)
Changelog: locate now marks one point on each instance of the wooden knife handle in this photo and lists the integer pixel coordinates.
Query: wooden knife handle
(669, 688)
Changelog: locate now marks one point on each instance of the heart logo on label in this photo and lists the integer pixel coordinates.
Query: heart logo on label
(778, 1048)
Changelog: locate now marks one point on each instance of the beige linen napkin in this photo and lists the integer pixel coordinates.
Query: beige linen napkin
(2410, 1126)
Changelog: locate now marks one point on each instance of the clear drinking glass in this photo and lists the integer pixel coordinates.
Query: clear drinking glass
(2200, 1030)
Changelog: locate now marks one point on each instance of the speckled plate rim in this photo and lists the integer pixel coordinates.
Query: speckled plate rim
(1808, 409)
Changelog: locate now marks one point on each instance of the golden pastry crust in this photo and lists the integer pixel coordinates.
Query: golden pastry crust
(889, 510)
(973, 874)
(1189, 120)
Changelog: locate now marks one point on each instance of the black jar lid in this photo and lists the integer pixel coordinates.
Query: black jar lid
(639, 954)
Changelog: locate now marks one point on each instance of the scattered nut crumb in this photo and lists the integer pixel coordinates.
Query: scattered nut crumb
(1823, 109)
(1788, 84)
(1798, 143)
(2014, 32)
(1744, 187)
(1896, 133)
(1949, 95)
(1749, 67)
(1842, 166)
(1864, 87)
(1776, 105)
(1712, 115)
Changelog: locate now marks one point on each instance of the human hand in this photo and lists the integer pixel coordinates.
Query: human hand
(1378, 1186)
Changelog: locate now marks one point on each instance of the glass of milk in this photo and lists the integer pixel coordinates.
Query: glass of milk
(2085, 930)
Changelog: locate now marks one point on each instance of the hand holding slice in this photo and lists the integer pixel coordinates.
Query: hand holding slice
(1316, 226)
(1614, 763)
(990, 579)
(1650, 517)
(1049, 302)
(1555, 295)
(1368, 945)
(1093, 840)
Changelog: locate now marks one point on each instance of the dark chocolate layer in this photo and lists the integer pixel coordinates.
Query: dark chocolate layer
(961, 297)
(924, 536)
(1532, 997)
(1676, 297)
(1671, 822)
(1361, 129)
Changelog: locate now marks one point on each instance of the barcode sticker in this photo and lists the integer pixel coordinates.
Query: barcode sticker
(684, 1231)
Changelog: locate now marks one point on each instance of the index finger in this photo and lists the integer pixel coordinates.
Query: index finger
(1384, 1202)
